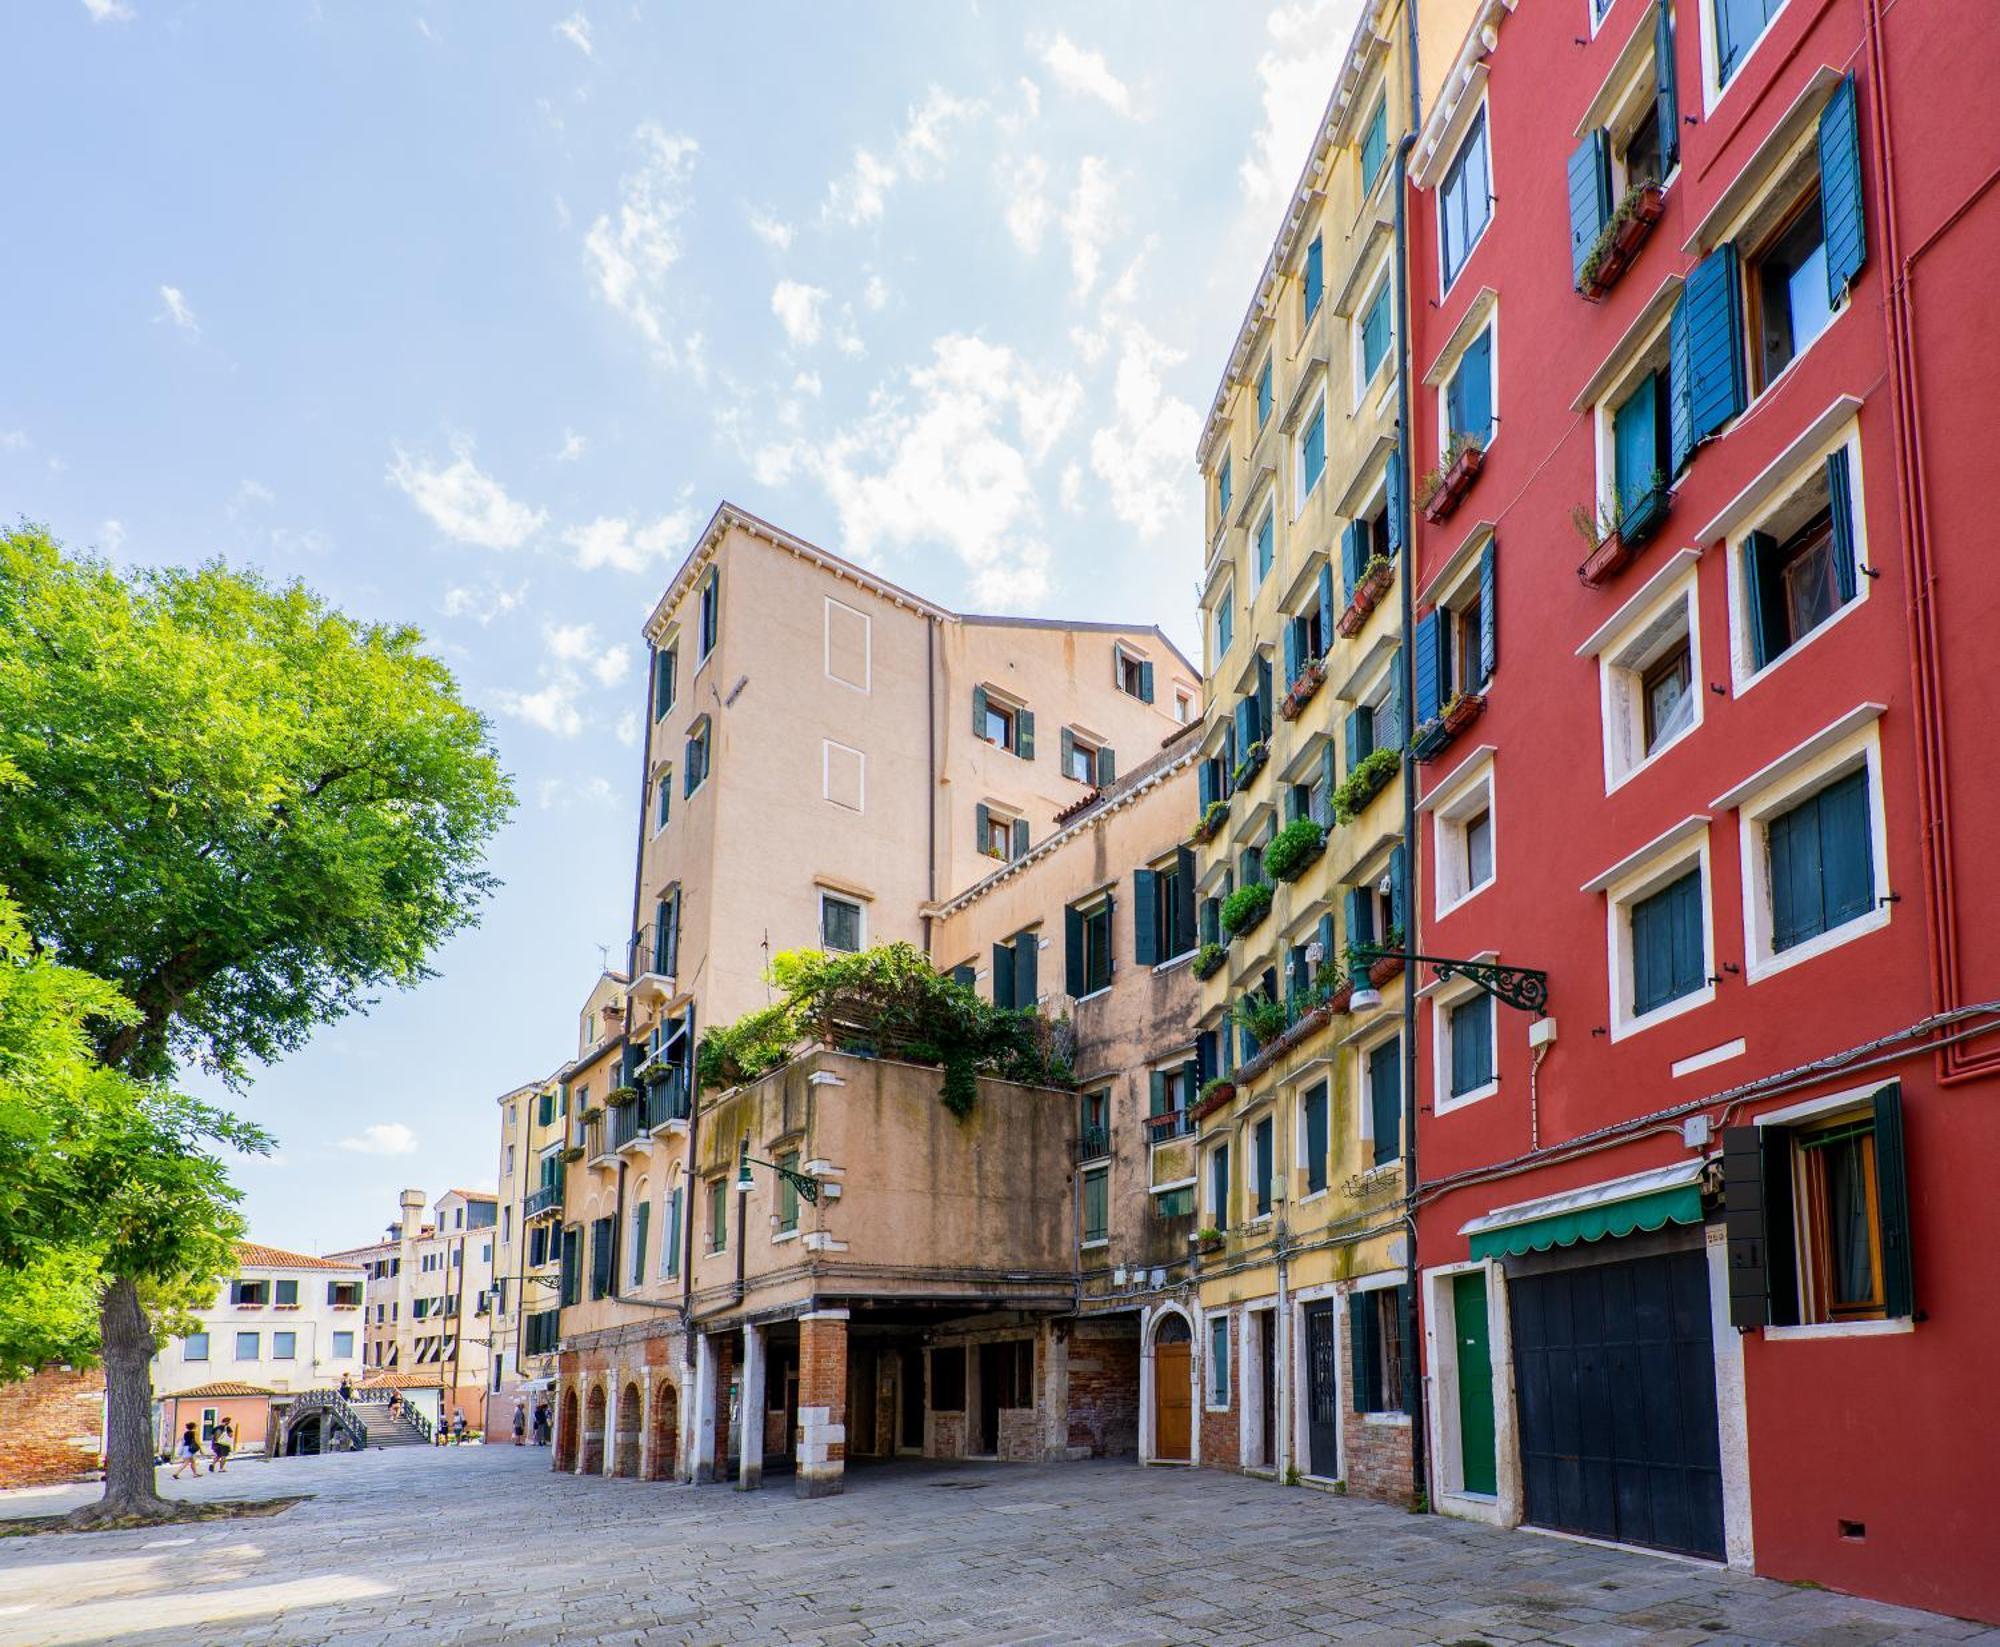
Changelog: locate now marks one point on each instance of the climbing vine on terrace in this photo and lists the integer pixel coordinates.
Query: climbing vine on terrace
(887, 1002)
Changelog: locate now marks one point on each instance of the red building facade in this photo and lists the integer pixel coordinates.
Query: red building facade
(1700, 308)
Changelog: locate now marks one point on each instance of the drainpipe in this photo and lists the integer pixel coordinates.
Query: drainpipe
(931, 760)
(1282, 1384)
(1413, 1385)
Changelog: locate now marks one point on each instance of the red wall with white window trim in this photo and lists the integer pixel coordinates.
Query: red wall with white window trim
(1889, 1432)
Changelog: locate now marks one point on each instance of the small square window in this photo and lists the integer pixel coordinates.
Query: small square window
(284, 1346)
(247, 1346)
(839, 924)
(194, 1347)
(1469, 1035)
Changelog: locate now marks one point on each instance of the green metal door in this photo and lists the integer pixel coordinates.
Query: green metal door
(1475, 1382)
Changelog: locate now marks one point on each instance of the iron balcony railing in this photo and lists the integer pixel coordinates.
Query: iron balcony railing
(1173, 1123)
(1092, 1142)
(624, 1124)
(546, 1199)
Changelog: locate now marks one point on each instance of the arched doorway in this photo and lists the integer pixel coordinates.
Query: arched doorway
(566, 1428)
(625, 1438)
(664, 1452)
(1173, 1390)
(593, 1433)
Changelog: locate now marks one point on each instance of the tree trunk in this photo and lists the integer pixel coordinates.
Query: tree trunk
(129, 1487)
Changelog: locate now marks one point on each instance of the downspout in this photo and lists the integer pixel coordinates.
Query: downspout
(1413, 1384)
(931, 760)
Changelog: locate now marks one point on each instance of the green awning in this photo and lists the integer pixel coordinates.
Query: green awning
(1645, 1201)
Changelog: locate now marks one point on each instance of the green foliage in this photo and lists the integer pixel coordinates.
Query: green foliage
(1216, 1086)
(887, 1001)
(1212, 820)
(1261, 1015)
(1245, 907)
(1208, 960)
(1252, 763)
(1364, 783)
(1293, 847)
(245, 809)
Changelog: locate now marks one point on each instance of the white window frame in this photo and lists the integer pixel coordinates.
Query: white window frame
(1447, 372)
(1183, 705)
(1800, 782)
(1641, 881)
(1357, 324)
(1743, 670)
(1712, 88)
(1229, 1335)
(1443, 1002)
(1120, 651)
(1645, 631)
(860, 904)
(707, 727)
(1364, 1100)
(867, 685)
(1471, 791)
(663, 787)
(826, 748)
(1480, 118)
(1268, 513)
(1309, 484)
(1646, 355)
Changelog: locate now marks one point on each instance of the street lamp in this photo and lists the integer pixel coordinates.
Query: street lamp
(807, 1186)
(1522, 988)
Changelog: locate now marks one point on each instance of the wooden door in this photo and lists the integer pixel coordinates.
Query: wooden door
(1322, 1393)
(1173, 1399)
(1475, 1383)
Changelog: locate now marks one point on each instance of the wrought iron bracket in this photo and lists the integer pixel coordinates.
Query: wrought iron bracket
(1525, 989)
(808, 1187)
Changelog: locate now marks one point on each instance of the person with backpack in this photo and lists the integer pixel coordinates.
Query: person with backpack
(187, 1453)
(221, 1444)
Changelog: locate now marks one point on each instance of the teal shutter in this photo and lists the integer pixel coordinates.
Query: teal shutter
(1068, 751)
(1329, 776)
(1020, 837)
(642, 1216)
(1429, 650)
(1846, 854)
(1156, 1092)
(1246, 726)
(1399, 891)
(1291, 652)
(1360, 736)
(1360, 917)
(1073, 980)
(1328, 946)
(1680, 412)
(1713, 297)
(965, 975)
(1325, 609)
(1840, 190)
(1264, 718)
(1204, 780)
(1024, 734)
(1362, 1352)
(1375, 146)
(1003, 976)
(1757, 546)
(1316, 1139)
(1892, 1194)
(1667, 80)
(1145, 682)
(1107, 768)
(1469, 400)
(979, 711)
(1589, 197)
(1840, 504)
(1635, 445)
(1211, 920)
(1027, 979)
(1794, 871)
(1394, 500)
(1385, 1101)
(982, 824)
(1145, 940)
(1352, 558)
(1315, 277)
(1183, 923)
(1489, 615)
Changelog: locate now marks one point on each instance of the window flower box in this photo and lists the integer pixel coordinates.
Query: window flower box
(619, 1097)
(1384, 968)
(573, 1154)
(1293, 849)
(1208, 960)
(1211, 822)
(1252, 763)
(1218, 1093)
(1463, 709)
(1447, 485)
(1245, 907)
(1375, 580)
(1311, 677)
(1353, 793)
(1618, 242)
(1615, 546)
(1208, 1240)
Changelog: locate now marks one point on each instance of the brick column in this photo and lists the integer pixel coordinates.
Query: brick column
(822, 1435)
(750, 1412)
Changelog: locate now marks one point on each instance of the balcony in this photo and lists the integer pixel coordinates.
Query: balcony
(1174, 1123)
(542, 1202)
(1092, 1143)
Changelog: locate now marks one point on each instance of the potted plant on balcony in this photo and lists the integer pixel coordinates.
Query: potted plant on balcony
(1618, 242)
(1613, 539)
(619, 1097)
(1208, 960)
(1461, 709)
(1262, 1015)
(1364, 783)
(1216, 1093)
(573, 1154)
(1208, 1239)
(1245, 907)
(594, 1113)
(1311, 676)
(1212, 820)
(1293, 849)
(1252, 763)
(1383, 967)
(1445, 485)
(1376, 577)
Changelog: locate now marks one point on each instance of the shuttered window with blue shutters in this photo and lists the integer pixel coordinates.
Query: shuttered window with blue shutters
(1822, 862)
(1266, 543)
(1225, 621)
(1792, 586)
(1375, 146)
(1222, 484)
(1353, 555)
(1739, 25)
(1707, 347)
(1432, 665)
(1589, 197)
(1145, 918)
(1666, 944)
(1312, 452)
(1315, 278)
(1639, 445)
(1465, 200)
(694, 761)
(1489, 615)
(1840, 190)
(1468, 398)
(1385, 1100)
(1666, 93)
(1264, 393)
(1471, 1045)
(663, 681)
(1375, 333)
(711, 612)
(1316, 1137)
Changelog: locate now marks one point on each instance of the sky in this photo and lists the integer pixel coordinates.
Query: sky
(468, 315)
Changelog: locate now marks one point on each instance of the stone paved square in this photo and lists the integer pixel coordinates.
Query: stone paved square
(479, 1547)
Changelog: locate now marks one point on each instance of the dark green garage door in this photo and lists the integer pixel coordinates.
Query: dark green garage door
(1614, 1366)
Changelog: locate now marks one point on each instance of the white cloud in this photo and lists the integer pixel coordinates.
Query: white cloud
(632, 250)
(109, 11)
(797, 307)
(773, 231)
(857, 198)
(807, 383)
(1070, 493)
(577, 643)
(572, 447)
(299, 541)
(552, 709)
(560, 794)
(249, 494)
(1085, 73)
(1026, 184)
(628, 729)
(1308, 40)
(575, 28)
(1140, 457)
(178, 311)
(628, 546)
(921, 152)
(483, 604)
(111, 536)
(464, 502)
(14, 440)
(950, 460)
(1087, 220)
(1029, 112)
(383, 1138)
(875, 295)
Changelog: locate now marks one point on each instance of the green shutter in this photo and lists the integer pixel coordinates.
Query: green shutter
(1360, 917)
(1024, 734)
(1385, 1101)
(1156, 1100)
(1183, 925)
(1291, 631)
(1840, 506)
(1068, 750)
(1399, 891)
(1146, 682)
(1073, 980)
(1361, 1352)
(1840, 205)
(1020, 837)
(1107, 768)
(1429, 647)
(1589, 197)
(642, 1216)
(1846, 851)
(1325, 610)
(1715, 365)
(979, 712)
(1892, 1193)
(1680, 412)
(1027, 979)
(1667, 79)
(964, 975)
(1003, 976)
(1358, 736)
(1145, 947)
(982, 819)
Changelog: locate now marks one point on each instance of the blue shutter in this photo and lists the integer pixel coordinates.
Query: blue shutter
(1204, 778)
(1315, 277)
(1329, 946)
(1020, 837)
(1352, 556)
(1589, 197)
(1635, 445)
(1680, 411)
(1489, 616)
(1003, 976)
(1756, 546)
(1795, 875)
(1027, 985)
(1246, 726)
(1846, 855)
(1145, 945)
(1362, 1379)
(1145, 683)
(1360, 918)
(1357, 737)
(1325, 609)
(1429, 659)
(1840, 190)
(1329, 775)
(1840, 504)
(1714, 342)
(1107, 767)
(1394, 501)
(1469, 400)
(1264, 721)
(1375, 146)
(1666, 78)
(1399, 890)
(1291, 652)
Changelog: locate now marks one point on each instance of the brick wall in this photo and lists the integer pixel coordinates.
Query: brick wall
(1378, 1457)
(947, 1435)
(1104, 1389)
(1221, 1439)
(50, 1424)
(1020, 1435)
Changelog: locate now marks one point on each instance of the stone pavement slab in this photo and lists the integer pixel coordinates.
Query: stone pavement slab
(485, 1547)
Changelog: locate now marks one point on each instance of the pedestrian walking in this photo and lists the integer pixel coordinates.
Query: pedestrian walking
(520, 1422)
(187, 1453)
(541, 1423)
(222, 1443)
(346, 1387)
(458, 1425)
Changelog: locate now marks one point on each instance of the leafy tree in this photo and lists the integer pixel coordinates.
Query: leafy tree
(246, 811)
